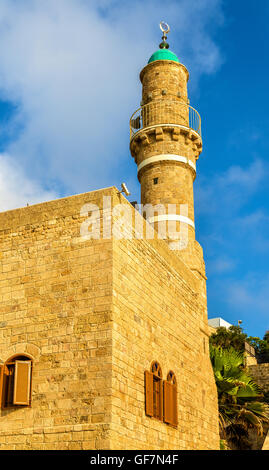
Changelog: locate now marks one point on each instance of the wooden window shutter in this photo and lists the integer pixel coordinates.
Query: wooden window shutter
(157, 398)
(175, 419)
(167, 402)
(161, 399)
(4, 385)
(1, 383)
(149, 393)
(170, 403)
(22, 383)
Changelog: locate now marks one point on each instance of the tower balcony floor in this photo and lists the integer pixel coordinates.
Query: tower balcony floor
(165, 112)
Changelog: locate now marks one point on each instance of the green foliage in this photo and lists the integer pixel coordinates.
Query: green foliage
(230, 375)
(240, 400)
(235, 338)
(231, 337)
(261, 347)
(266, 336)
(223, 444)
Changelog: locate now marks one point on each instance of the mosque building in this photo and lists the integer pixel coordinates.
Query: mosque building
(104, 338)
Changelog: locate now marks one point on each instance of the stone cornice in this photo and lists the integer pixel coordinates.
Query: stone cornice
(142, 137)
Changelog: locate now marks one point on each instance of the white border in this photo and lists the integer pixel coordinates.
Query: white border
(166, 157)
(179, 218)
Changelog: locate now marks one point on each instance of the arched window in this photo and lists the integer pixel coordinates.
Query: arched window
(154, 391)
(171, 378)
(16, 377)
(156, 369)
(170, 399)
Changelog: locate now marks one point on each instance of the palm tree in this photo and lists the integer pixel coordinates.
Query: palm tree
(266, 336)
(240, 401)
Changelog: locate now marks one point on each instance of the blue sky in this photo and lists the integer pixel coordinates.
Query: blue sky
(69, 81)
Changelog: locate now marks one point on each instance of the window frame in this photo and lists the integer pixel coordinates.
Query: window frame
(154, 392)
(161, 395)
(9, 387)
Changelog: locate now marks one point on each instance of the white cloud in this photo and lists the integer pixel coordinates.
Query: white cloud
(229, 190)
(231, 206)
(220, 265)
(72, 66)
(249, 294)
(16, 189)
(256, 219)
(243, 178)
(245, 298)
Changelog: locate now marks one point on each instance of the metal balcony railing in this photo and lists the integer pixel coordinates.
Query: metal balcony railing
(165, 112)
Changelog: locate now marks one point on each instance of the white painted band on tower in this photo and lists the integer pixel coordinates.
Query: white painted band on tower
(166, 157)
(176, 217)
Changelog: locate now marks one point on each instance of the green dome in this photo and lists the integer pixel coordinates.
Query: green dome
(163, 54)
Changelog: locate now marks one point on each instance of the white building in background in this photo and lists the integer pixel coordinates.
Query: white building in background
(217, 322)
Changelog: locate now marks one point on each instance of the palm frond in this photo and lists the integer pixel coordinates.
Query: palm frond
(240, 405)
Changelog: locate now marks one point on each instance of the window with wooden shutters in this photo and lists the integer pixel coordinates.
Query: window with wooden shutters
(16, 382)
(154, 392)
(170, 399)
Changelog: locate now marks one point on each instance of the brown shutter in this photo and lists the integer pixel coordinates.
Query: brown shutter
(170, 403)
(149, 393)
(175, 419)
(4, 387)
(1, 383)
(168, 399)
(22, 383)
(161, 399)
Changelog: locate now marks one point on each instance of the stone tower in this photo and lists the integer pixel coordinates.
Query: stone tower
(166, 143)
(85, 319)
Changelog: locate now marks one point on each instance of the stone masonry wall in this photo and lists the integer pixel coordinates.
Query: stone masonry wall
(158, 311)
(55, 305)
(260, 373)
(93, 315)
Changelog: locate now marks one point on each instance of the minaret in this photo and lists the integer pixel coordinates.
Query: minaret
(166, 142)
